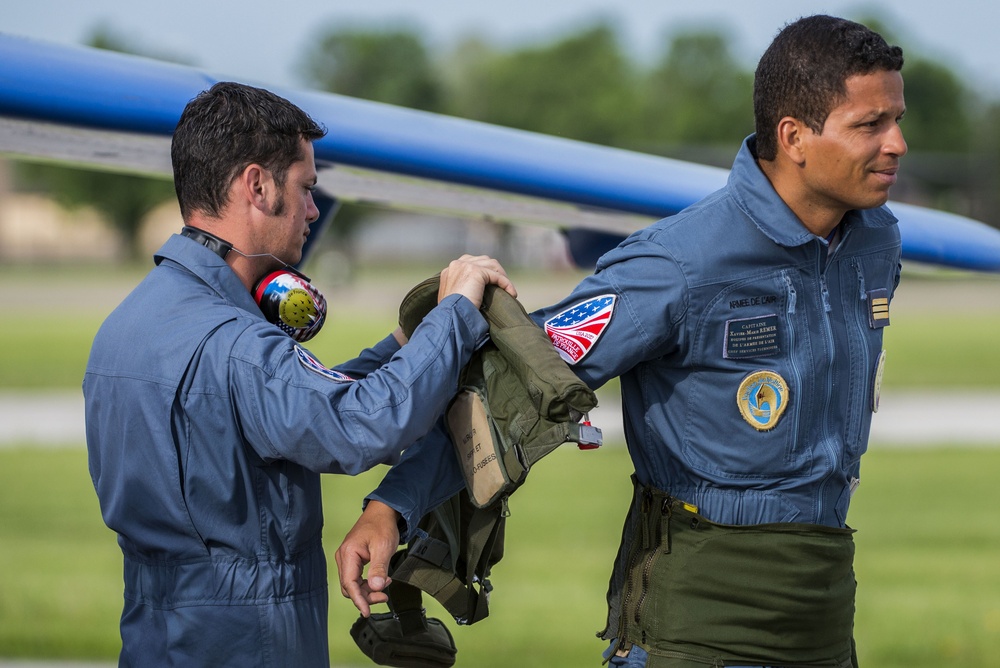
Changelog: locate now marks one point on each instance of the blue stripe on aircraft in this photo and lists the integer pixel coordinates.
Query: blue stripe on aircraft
(103, 89)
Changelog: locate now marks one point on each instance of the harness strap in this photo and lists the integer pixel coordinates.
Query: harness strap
(467, 597)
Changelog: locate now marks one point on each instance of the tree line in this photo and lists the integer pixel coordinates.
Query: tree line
(692, 102)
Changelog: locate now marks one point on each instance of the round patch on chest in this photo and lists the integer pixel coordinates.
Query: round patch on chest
(762, 398)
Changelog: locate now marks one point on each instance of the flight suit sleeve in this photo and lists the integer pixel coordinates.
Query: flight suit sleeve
(292, 407)
(648, 298)
(625, 313)
(370, 359)
(426, 476)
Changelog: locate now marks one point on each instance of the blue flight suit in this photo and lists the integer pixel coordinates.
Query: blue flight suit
(731, 287)
(207, 430)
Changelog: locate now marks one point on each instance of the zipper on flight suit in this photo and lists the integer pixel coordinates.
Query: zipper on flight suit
(859, 319)
(792, 362)
(861, 328)
(824, 262)
(666, 512)
(643, 544)
(824, 292)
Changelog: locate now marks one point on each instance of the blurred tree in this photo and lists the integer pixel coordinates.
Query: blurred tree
(698, 94)
(124, 199)
(952, 159)
(939, 169)
(461, 70)
(938, 108)
(580, 87)
(987, 202)
(694, 103)
(390, 66)
(384, 65)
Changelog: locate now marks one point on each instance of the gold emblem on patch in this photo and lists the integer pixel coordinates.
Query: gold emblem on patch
(762, 398)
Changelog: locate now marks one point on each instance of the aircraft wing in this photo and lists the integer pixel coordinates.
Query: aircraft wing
(115, 111)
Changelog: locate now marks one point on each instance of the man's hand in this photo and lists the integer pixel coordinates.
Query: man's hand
(400, 336)
(374, 538)
(470, 274)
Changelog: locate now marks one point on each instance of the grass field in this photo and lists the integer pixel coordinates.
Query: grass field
(943, 332)
(928, 546)
(928, 532)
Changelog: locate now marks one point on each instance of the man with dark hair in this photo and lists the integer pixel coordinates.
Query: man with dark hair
(207, 155)
(747, 334)
(208, 424)
(803, 74)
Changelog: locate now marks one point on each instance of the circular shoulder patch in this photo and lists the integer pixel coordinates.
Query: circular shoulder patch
(877, 381)
(762, 398)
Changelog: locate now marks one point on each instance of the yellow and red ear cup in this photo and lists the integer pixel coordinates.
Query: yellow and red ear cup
(291, 302)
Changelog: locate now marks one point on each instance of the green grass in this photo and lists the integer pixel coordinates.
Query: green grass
(955, 351)
(928, 544)
(922, 351)
(927, 346)
(928, 548)
(928, 541)
(59, 310)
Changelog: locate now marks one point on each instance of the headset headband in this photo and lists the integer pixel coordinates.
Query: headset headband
(285, 297)
(220, 247)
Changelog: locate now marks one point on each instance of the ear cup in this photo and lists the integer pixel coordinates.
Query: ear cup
(289, 300)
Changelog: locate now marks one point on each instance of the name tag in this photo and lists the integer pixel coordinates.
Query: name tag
(752, 337)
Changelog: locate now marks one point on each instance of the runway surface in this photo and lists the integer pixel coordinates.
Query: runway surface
(905, 419)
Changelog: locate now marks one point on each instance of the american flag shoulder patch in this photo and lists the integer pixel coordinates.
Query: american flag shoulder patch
(575, 331)
(314, 365)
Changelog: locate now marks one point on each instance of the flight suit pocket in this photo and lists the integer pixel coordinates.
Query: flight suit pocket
(751, 343)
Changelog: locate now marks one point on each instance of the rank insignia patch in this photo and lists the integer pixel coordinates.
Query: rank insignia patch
(574, 331)
(313, 364)
(762, 398)
(878, 308)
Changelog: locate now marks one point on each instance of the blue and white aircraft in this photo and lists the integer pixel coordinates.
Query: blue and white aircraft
(115, 111)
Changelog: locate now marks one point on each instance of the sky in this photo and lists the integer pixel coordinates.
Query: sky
(264, 41)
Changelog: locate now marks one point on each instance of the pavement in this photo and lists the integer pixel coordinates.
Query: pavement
(910, 418)
(906, 418)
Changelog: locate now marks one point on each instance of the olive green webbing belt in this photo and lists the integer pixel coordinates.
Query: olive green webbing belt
(695, 593)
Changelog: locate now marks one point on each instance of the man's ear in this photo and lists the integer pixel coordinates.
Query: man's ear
(792, 135)
(257, 185)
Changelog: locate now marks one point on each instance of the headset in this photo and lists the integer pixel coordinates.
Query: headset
(285, 296)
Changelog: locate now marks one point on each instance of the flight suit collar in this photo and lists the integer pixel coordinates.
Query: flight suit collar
(209, 267)
(758, 199)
